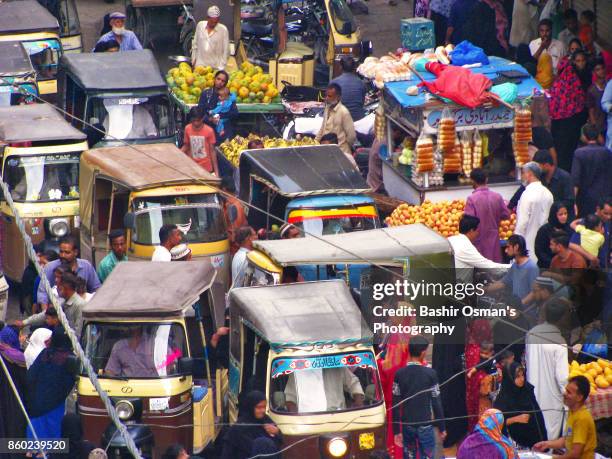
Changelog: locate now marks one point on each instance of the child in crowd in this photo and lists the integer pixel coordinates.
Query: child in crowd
(51, 319)
(226, 99)
(591, 234)
(199, 142)
(587, 18)
(484, 373)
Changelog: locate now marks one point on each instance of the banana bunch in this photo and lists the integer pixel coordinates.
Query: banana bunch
(231, 149)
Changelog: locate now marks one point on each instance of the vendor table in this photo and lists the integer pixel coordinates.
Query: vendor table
(600, 403)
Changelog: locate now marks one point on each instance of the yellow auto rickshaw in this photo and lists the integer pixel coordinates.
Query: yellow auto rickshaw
(286, 340)
(171, 392)
(39, 32)
(17, 76)
(40, 165)
(142, 187)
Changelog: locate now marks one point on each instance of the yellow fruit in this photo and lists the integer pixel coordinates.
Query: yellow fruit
(583, 367)
(603, 363)
(608, 371)
(574, 364)
(200, 70)
(602, 382)
(243, 92)
(609, 378)
(593, 372)
(590, 377)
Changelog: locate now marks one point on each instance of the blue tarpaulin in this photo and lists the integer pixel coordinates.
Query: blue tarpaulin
(397, 89)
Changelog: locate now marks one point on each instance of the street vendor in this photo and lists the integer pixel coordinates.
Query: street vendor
(210, 42)
(128, 41)
(209, 101)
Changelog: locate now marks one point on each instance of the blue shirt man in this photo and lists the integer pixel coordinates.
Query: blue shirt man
(606, 105)
(353, 88)
(128, 41)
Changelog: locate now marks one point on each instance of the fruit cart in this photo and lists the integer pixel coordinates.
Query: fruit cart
(439, 172)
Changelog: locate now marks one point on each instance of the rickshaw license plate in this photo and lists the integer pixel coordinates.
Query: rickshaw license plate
(366, 440)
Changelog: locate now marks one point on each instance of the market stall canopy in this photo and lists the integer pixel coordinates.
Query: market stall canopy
(25, 16)
(302, 171)
(380, 246)
(146, 166)
(150, 289)
(114, 71)
(305, 313)
(14, 59)
(35, 123)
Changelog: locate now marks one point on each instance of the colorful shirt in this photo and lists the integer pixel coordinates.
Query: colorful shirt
(201, 143)
(567, 97)
(107, 265)
(590, 240)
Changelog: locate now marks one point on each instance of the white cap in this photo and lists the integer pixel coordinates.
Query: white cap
(213, 12)
(179, 251)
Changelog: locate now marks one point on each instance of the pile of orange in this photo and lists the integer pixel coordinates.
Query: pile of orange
(252, 86)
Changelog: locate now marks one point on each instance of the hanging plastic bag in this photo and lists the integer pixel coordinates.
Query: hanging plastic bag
(452, 160)
(466, 53)
(424, 154)
(466, 153)
(446, 131)
(476, 150)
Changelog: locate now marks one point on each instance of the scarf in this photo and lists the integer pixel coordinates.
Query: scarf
(567, 96)
(490, 427)
(36, 346)
(501, 21)
(10, 348)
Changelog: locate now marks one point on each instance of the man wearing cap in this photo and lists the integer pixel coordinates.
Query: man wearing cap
(353, 88)
(210, 42)
(128, 41)
(533, 207)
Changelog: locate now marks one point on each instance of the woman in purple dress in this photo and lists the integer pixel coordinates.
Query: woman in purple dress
(487, 440)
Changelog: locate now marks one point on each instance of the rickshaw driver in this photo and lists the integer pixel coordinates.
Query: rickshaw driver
(143, 125)
(335, 382)
(132, 357)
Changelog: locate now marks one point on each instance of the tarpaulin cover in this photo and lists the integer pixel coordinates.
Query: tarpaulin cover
(397, 89)
(468, 53)
(459, 85)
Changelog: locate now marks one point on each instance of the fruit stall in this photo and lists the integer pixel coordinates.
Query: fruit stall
(257, 98)
(445, 140)
(599, 374)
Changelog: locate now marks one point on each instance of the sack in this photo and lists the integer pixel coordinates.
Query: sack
(292, 93)
(466, 53)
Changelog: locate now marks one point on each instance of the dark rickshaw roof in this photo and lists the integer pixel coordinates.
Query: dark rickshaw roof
(302, 171)
(35, 123)
(114, 71)
(14, 59)
(301, 314)
(25, 16)
(150, 289)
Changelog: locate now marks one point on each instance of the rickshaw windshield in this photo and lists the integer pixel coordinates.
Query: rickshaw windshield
(344, 21)
(10, 95)
(69, 18)
(134, 350)
(255, 276)
(337, 224)
(132, 118)
(43, 178)
(199, 216)
(324, 384)
(45, 55)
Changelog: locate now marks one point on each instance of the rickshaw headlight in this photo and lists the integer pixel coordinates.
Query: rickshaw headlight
(337, 447)
(124, 409)
(59, 227)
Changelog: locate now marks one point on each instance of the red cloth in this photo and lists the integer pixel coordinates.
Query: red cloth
(458, 84)
(478, 331)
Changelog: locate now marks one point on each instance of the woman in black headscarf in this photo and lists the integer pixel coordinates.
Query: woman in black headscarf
(516, 399)
(254, 433)
(558, 220)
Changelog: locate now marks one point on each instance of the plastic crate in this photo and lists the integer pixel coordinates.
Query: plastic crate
(418, 34)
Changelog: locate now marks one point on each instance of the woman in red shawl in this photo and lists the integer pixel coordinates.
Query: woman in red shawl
(394, 356)
(478, 331)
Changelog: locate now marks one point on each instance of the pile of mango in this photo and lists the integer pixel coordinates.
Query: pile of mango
(252, 86)
(598, 373)
(231, 149)
(188, 83)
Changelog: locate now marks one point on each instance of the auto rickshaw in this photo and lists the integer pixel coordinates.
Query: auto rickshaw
(285, 340)
(155, 20)
(40, 165)
(361, 259)
(123, 95)
(315, 188)
(39, 32)
(65, 11)
(172, 393)
(142, 188)
(16, 70)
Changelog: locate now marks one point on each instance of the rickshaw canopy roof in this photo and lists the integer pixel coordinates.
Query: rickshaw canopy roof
(301, 314)
(302, 171)
(25, 16)
(150, 289)
(35, 123)
(14, 59)
(114, 71)
(146, 166)
(381, 246)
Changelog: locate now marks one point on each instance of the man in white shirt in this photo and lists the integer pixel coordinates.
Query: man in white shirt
(546, 357)
(210, 45)
(244, 237)
(547, 43)
(169, 236)
(533, 207)
(467, 256)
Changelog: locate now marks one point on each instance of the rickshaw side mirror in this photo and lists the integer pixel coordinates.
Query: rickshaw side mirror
(129, 220)
(185, 365)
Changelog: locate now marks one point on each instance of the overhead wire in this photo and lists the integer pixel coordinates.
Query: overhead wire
(281, 220)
